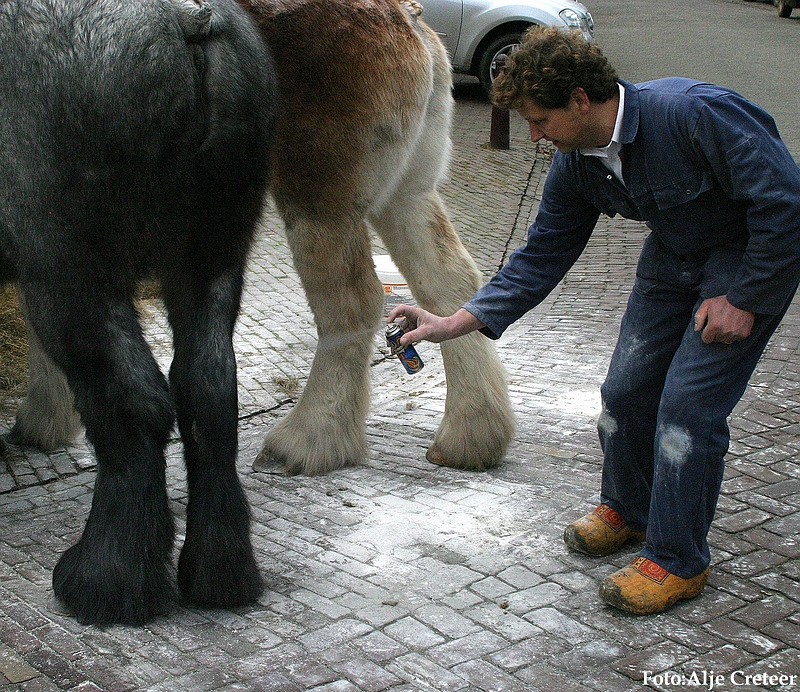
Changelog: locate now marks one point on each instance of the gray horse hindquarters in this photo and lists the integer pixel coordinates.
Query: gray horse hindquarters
(135, 141)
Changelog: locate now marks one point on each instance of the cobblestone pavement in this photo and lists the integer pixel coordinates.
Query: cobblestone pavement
(401, 575)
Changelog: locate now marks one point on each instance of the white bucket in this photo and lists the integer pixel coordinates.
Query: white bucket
(388, 274)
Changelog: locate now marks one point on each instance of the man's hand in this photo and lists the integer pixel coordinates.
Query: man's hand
(720, 321)
(421, 325)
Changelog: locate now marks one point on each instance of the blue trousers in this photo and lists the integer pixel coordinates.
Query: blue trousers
(666, 400)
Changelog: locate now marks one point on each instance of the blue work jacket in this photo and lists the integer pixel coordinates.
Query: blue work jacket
(701, 165)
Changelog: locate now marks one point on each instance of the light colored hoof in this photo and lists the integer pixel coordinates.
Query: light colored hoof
(435, 456)
(267, 462)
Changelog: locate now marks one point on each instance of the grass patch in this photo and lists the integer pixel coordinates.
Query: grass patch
(13, 346)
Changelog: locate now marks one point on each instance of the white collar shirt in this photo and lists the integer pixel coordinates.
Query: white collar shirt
(609, 154)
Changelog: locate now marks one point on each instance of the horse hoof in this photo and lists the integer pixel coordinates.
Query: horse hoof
(435, 456)
(225, 579)
(97, 589)
(267, 462)
(57, 607)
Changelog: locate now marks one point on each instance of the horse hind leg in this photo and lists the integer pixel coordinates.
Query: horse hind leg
(478, 421)
(118, 571)
(46, 417)
(332, 166)
(217, 566)
(325, 429)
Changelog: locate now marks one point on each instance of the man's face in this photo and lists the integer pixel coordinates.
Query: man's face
(568, 128)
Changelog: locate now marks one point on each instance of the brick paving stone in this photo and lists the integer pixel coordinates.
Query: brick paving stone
(14, 669)
(766, 611)
(530, 651)
(753, 563)
(738, 484)
(698, 639)
(788, 526)
(585, 658)
(487, 678)
(38, 685)
(749, 639)
(62, 642)
(55, 667)
(741, 521)
(784, 488)
(338, 686)
(785, 631)
(712, 604)
(726, 544)
(379, 647)
(520, 577)
(199, 680)
(656, 659)
(544, 678)
(414, 634)
(419, 669)
(108, 676)
(607, 680)
(779, 584)
(560, 625)
(724, 660)
(782, 663)
(744, 589)
(476, 645)
(492, 587)
(788, 546)
(502, 622)
(791, 569)
(310, 673)
(446, 621)
(366, 675)
(770, 505)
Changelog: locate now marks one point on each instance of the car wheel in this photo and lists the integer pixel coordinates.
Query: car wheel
(488, 67)
(784, 8)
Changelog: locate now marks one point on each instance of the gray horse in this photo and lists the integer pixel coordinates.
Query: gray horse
(135, 141)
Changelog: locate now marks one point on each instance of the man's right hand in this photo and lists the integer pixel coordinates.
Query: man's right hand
(421, 325)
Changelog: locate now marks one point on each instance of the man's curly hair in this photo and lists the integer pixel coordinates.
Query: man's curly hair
(548, 66)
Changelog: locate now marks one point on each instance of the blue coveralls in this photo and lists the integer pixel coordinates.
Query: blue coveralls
(708, 172)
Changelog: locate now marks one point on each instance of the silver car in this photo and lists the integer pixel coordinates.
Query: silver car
(476, 32)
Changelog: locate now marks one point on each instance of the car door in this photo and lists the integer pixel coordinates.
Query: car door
(444, 17)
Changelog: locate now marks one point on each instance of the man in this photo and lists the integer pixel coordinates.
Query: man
(708, 172)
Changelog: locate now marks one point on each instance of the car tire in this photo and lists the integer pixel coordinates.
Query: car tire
(784, 8)
(487, 67)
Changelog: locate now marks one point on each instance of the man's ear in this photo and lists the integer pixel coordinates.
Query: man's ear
(581, 98)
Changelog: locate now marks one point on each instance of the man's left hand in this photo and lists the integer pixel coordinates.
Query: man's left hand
(722, 322)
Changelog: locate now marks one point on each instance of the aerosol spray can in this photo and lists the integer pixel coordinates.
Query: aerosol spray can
(407, 354)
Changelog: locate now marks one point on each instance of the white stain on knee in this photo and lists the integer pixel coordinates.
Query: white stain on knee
(675, 444)
(630, 351)
(607, 423)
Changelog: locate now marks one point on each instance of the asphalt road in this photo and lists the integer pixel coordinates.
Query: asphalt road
(742, 45)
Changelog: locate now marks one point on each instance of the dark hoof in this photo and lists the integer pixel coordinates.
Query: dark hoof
(15, 437)
(222, 578)
(106, 592)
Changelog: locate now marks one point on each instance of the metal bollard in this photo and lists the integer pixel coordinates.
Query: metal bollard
(500, 131)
